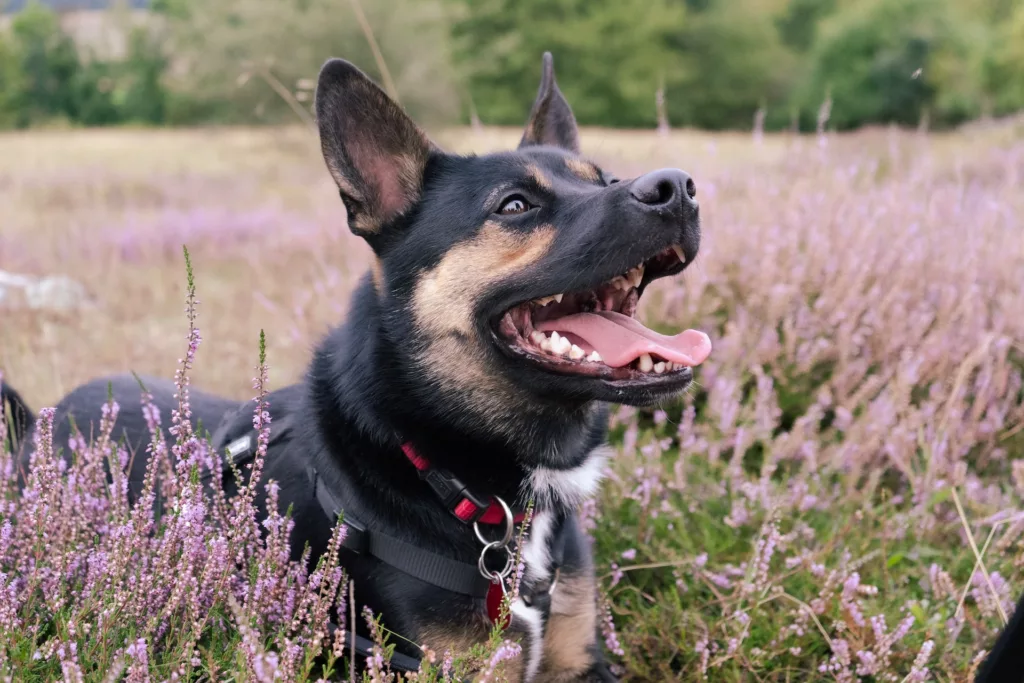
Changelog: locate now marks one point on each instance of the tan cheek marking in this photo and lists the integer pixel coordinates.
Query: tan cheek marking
(539, 176)
(446, 295)
(571, 628)
(583, 169)
(443, 308)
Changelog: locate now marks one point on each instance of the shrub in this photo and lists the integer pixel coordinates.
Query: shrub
(893, 61)
(1004, 65)
(48, 62)
(608, 73)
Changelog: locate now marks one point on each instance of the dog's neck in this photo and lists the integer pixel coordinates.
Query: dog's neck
(557, 462)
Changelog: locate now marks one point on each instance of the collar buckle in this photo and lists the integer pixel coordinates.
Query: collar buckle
(459, 500)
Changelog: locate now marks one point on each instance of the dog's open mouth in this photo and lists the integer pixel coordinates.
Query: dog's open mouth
(594, 333)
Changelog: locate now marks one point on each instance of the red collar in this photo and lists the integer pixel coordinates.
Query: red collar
(455, 495)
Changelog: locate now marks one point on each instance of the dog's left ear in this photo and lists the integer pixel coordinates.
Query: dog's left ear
(374, 152)
(551, 121)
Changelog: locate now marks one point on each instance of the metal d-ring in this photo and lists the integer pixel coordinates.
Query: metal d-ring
(493, 576)
(509, 526)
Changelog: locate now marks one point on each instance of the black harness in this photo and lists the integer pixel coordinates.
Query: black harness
(236, 437)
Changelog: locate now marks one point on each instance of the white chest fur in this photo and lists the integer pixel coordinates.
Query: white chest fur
(551, 490)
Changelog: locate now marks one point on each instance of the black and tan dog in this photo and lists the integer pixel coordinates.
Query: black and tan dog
(472, 374)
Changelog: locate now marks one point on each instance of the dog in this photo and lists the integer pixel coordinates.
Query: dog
(471, 378)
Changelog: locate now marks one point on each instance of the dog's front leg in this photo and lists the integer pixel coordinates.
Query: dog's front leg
(572, 649)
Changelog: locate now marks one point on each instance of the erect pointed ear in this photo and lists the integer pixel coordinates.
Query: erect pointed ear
(375, 153)
(551, 121)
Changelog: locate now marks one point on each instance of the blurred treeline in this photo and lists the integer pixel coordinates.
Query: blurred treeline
(718, 62)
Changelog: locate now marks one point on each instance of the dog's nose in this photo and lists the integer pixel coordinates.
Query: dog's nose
(667, 188)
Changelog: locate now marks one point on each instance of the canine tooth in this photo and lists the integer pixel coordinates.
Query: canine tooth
(594, 357)
(538, 337)
(544, 300)
(558, 297)
(679, 252)
(576, 352)
(659, 367)
(646, 363)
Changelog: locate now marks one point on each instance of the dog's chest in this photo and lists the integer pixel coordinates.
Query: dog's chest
(558, 494)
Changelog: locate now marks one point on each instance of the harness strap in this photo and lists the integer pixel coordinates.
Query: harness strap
(437, 570)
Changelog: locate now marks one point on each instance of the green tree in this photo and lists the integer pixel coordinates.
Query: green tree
(92, 93)
(798, 24)
(610, 55)
(223, 50)
(10, 82)
(891, 61)
(731, 69)
(48, 64)
(145, 95)
(1004, 65)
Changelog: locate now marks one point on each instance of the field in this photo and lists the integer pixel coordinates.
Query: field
(841, 497)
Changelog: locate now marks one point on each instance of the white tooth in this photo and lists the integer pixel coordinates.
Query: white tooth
(659, 367)
(544, 300)
(576, 352)
(646, 363)
(594, 357)
(546, 345)
(555, 337)
(564, 347)
(679, 252)
(558, 297)
(537, 337)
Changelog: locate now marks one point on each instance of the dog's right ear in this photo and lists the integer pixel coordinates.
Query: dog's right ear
(374, 152)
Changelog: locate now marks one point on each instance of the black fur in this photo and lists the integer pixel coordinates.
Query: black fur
(18, 415)
(1005, 663)
(387, 376)
(551, 120)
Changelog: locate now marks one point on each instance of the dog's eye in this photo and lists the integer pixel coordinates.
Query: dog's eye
(513, 205)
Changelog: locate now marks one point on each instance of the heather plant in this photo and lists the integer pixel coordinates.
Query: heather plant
(839, 498)
(868, 360)
(93, 587)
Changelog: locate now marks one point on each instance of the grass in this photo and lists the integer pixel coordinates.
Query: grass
(839, 498)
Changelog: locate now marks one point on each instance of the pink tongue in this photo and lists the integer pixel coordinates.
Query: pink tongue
(621, 339)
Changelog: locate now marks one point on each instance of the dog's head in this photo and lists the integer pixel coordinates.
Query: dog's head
(507, 283)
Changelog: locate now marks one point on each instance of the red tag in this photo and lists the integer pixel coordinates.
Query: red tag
(494, 597)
